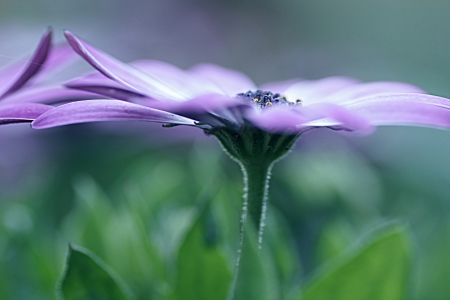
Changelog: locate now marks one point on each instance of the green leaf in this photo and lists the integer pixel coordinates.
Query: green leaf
(334, 239)
(203, 271)
(256, 276)
(87, 277)
(278, 237)
(379, 271)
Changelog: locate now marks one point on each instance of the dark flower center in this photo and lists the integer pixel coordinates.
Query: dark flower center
(265, 99)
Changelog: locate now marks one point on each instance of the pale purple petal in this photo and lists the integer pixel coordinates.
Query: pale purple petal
(279, 86)
(294, 119)
(353, 92)
(313, 91)
(9, 71)
(21, 112)
(104, 110)
(124, 74)
(59, 57)
(335, 116)
(213, 109)
(200, 104)
(278, 119)
(97, 83)
(231, 82)
(404, 109)
(151, 67)
(48, 95)
(180, 80)
(35, 63)
(405, 97)
(107, 87)
(98, 92)
(104, 86)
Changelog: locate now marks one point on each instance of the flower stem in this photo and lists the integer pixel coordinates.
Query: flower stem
(256, 151)
(256, 187)
(253, 275)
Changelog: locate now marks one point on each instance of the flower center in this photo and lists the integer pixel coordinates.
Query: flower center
(265, 99)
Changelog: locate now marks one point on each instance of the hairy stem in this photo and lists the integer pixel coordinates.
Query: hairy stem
(256, 188)
(256, 151)
(251, 270)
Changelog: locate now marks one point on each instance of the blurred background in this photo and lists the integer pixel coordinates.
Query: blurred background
(120, 188)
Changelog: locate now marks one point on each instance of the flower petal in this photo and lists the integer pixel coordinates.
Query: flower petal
(279, 86)
(104, 110)
(21, 112)
(122, 73)
(212, 109)
(98, 84)
(278, 119)
(231, 82)
(48, 95)
(34, 65)
(349, 94)
(200, 104)
(313, 91)
(58, 57)
(337, 117)
(404, 109)
(295, 119)
(180, 80)
(9, 71)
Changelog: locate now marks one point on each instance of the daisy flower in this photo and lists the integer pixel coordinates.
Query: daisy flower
(255, 125)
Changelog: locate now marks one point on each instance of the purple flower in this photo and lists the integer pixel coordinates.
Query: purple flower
(212, 97)
(23, 97)
(255, 125)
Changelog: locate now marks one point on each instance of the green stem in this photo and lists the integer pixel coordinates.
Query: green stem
(256, 187)
(256, 151)
(252, 278)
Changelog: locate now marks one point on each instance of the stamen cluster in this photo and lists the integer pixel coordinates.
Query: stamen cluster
(265, 98)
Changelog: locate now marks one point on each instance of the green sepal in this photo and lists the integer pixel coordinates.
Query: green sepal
(256, 151)
(87, 277)
(379, 271)
(249, 144)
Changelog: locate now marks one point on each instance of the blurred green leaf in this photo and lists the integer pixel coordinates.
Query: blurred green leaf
(256, 277)
(284, 251)
(87, 277)
(203, 271)
(379, 271)
(334, 239)
(118, 232)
